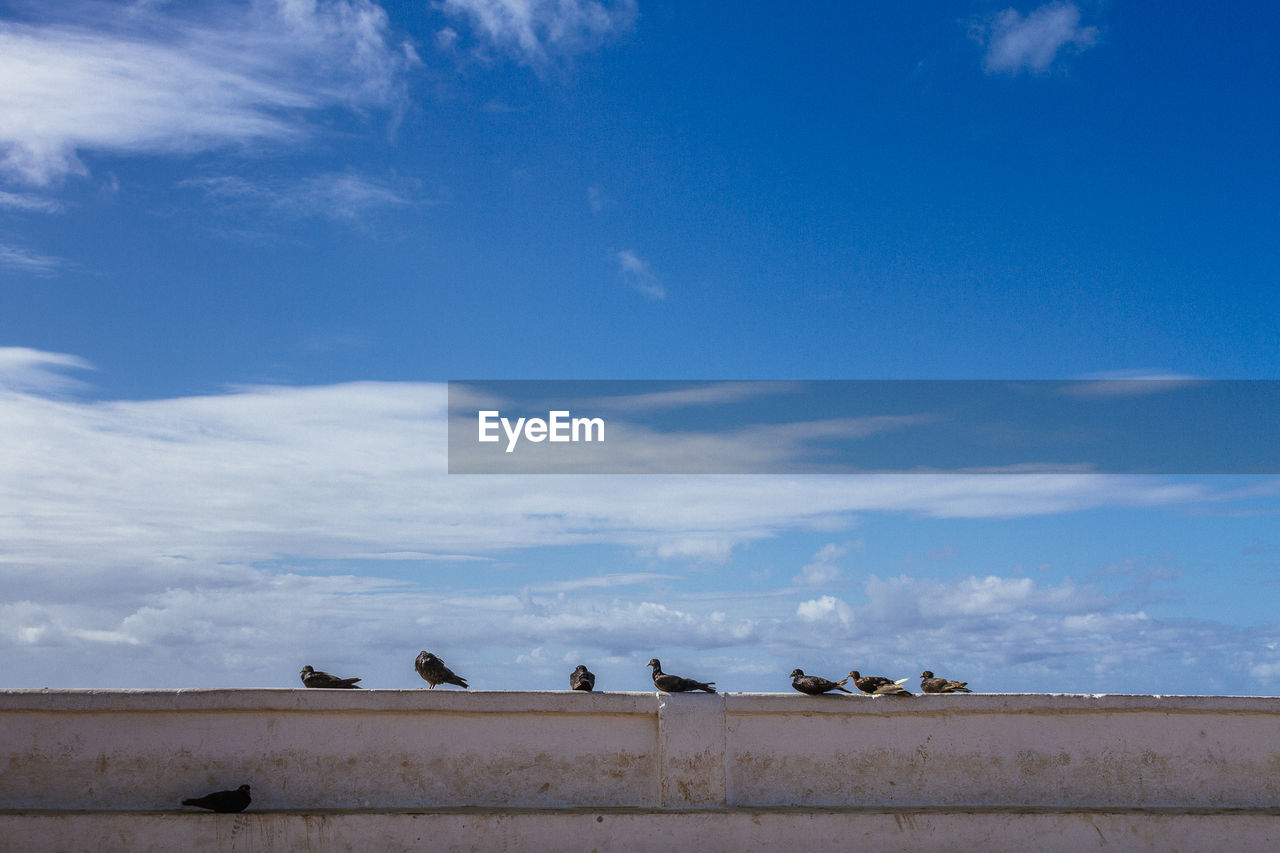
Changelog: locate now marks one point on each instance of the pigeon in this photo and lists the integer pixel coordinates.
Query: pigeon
(929, 684)
(435, 672)
(582, 679)
(814, 685)
(675, 683)
(226, 802)
(311, 678)
(878, 685)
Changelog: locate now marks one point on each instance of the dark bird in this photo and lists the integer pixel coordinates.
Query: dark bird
(675, 683)
(878, 685)
(435, 672)
(226, 802)
(582, 679)
(929, 684)
(311, 678)
(814, 685)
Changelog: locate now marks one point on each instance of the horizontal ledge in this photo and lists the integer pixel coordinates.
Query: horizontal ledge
(616, 811)
(302, 700)
(922, 704)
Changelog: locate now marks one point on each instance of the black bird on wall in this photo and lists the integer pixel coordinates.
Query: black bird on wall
(433, 670)
(929, 684)
(582, 679)
(815, 685)
(313, 678)
(675, 683)
(226, 802)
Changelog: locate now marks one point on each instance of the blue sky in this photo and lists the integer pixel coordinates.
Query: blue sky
(243, 245)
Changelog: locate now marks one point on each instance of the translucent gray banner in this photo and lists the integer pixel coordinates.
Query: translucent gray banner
(1118, 426)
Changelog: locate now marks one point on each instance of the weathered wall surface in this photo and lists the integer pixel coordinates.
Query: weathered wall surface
(561, 770)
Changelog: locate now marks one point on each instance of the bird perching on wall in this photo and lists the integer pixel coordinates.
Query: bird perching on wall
(582, 679)
(878, 685)
(815, 685)
(434, 672)
(675, 683)
(930, 684)
(314, 678)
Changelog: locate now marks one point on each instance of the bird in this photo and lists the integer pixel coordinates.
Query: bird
(878, 685)
(311, 678)
(226, 802)
(929, 684)
(675, 683)
(582, 679)
(435, 672)
(815, 685)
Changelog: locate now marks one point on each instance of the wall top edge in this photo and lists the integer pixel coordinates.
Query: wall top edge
(565, 701)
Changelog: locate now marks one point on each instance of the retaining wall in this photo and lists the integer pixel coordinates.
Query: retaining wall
(487, 770)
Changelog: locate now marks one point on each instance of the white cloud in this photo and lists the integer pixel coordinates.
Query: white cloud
(25, 261)
(826, 607)
(338, 195)
(29, 202)
(709, 394)
(1129, 383)
(154, 81)
(635, 271)
(1015, 42)
(24, 369)
(537, 32)
(822, 569)
(332, 472)
(238, 530)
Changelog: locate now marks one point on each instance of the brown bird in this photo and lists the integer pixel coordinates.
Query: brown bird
(582, 679)
(675, 683)
(878, 685)
(929, 684)
(815, 685)
(312, 678)
(435, 672)
(226, 802)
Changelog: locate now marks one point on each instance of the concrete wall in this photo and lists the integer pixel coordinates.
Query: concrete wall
(561, 770)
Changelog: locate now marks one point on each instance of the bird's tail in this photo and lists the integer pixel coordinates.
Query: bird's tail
(710, 687)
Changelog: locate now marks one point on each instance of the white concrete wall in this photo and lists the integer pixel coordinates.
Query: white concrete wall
(464, 766)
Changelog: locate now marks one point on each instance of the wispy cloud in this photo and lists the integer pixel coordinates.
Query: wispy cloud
(635, 271)
(539, 32)
(596, 198)
(1017, 42)
(163, 79)
(710, 394)
(268, 471)
(29, 202)
(30, 370)
(824, 569)
(21, 260)
(1129, 383)
(338, 195)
